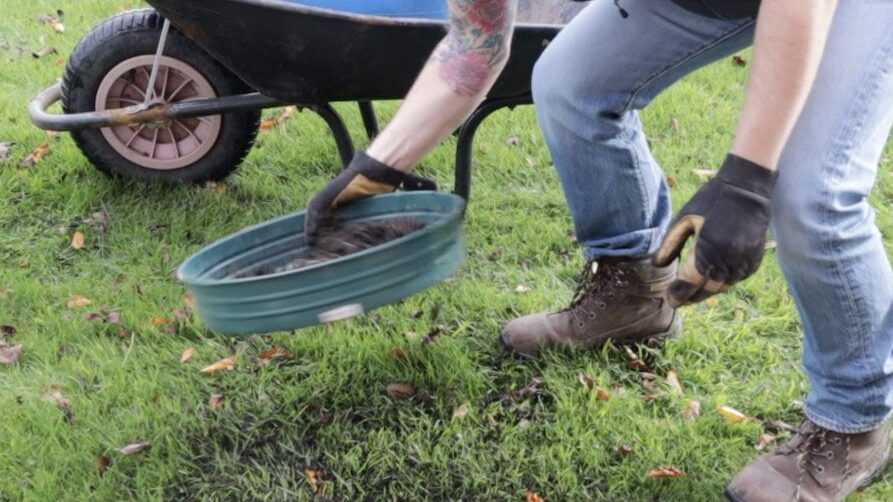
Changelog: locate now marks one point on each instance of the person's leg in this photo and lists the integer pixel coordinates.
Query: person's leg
(834, 260)
(587, 87)
(828, 244)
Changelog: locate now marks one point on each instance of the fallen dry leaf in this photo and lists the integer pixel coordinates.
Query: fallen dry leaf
(765, 440)
(625, 450)
(227, 363)
(522, 288)
(216, 401)
(10, 355)
(266, 125)
(671, 181)
(102, 464)
(739, 60)
(779, 425)
(134, 448)
(275, 352)
(159, 321)
(187, 354)
(98, 220)
(639, 365)
(513, 141)
(316, 479)
(602, 394)
(397, 352)
(586, 380)
(53, 20)
(37, 154)
(731, 414)
(401, 390)
(461, 411)
(78, 301)
(533, 497)
(77, 240)
(46, 51)
(705, 173)
(7, 330)
(693, 411)
(57, 25)
(711, 302)
(189, 301)
(433, 334)
(286, 114)
(5, 148)
(674, 124)
(665, 472)
(673, 382)
(53, 394)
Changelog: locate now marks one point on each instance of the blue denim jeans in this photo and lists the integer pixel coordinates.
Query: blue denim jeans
(588, 87)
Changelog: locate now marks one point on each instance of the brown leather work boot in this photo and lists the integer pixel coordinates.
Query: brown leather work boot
(619, 299)
(817, 465)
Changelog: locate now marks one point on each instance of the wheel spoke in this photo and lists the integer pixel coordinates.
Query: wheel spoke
(178, 89)
(170, 133)
(131, 84)
(167, 74)
(154, 144)
(124, 100)
(136, 133)
(189, 132)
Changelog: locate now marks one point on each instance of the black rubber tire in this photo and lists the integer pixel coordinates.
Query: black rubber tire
(136, 33)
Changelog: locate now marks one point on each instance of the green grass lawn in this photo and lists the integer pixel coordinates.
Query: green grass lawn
(481, 424)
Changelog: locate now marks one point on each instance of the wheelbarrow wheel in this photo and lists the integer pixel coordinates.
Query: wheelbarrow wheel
(110, 68)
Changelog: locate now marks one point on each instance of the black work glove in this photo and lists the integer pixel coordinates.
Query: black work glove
(363, 178)
(729, 217)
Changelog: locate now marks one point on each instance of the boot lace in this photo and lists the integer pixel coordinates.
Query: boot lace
(599, 281)
(810, 447)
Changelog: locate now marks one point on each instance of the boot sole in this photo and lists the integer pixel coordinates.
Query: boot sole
(656, 340)
(871, 478)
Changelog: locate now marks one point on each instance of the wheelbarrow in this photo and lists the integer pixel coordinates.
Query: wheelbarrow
(175, 93)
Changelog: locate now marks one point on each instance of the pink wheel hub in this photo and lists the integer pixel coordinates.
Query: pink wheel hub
(170, 144)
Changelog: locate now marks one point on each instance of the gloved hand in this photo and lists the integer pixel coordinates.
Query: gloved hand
(364, 177)
(729, 217)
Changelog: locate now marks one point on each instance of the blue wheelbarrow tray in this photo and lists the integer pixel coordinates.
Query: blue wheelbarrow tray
(329, 291)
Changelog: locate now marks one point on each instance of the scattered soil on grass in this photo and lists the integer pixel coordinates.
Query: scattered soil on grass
(349, 239)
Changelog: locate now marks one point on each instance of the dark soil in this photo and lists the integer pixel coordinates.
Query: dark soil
(348, 239)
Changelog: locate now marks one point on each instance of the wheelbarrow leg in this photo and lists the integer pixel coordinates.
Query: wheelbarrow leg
(466, 139)
(338, 128)
(367, 111)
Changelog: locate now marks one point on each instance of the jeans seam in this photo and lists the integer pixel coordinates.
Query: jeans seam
(700, 50)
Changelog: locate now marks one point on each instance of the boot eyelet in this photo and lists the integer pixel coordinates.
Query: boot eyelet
(580, 324)
(836, 440)
(820, 469)
(602, 305)
(592, 315)
(829, 454)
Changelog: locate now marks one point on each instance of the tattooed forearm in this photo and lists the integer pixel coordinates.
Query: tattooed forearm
(477, 44)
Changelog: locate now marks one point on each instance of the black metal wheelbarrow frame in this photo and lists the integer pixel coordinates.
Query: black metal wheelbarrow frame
(316, 57)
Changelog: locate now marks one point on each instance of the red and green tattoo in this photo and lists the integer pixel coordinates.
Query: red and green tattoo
(476, 44)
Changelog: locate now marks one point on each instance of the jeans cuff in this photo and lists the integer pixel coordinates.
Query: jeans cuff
(849, 428)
